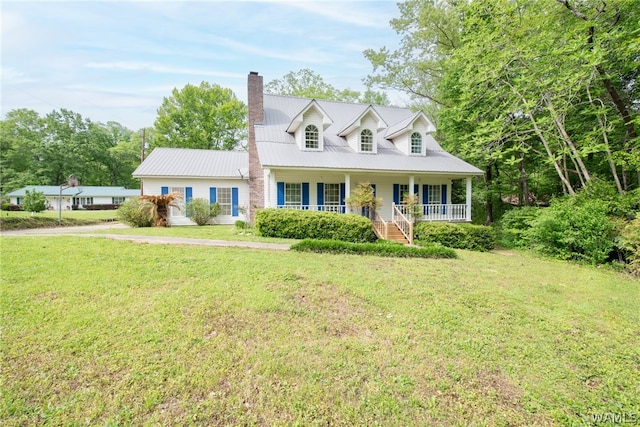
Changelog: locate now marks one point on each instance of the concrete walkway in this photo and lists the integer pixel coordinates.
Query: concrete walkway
(85, 231)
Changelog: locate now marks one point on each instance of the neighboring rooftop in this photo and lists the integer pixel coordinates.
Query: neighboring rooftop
(194, 163)
(85, 190)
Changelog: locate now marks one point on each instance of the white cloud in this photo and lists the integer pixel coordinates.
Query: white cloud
(159, 68)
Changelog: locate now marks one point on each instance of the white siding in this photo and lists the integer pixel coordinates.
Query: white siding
(311, 117)
(200, 190)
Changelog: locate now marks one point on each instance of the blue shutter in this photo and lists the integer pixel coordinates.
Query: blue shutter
(164, 190)
(305, 194)
(188, 192)
(280, 186)
(443, 199)
(213, 195)
(320, 195)
(374, 189)
(396, 194)
(343, 195)
(234, 201)
(416, 189)
(425, 199)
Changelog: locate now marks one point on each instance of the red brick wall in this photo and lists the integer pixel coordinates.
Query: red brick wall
(256, 115)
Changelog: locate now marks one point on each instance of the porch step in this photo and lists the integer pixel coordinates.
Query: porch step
(395, 234)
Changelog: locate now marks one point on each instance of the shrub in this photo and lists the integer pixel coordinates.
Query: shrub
(513, 225)
(11, 207)
(34, 201)
(459, 236)
(573, 229)
(241, 225)
(201, 211)
(388, 250)
(294, 224)
(135, 213)
(629, 242)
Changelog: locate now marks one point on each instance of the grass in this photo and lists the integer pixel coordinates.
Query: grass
(16, 220)
(116, 333)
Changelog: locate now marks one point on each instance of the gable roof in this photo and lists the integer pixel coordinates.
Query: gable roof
(277, 148)
(355, 123)
(407, 124)
(85, 190)
(194, 163)
(299, 118)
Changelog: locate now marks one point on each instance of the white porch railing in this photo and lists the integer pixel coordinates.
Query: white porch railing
(437, 212)
(380, 226)
(325, 208)
(403, 223)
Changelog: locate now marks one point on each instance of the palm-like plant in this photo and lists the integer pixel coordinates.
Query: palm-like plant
(160, 207)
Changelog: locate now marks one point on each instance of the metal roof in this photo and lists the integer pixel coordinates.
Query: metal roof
(277, 148)
(188, 162)
(85, 190)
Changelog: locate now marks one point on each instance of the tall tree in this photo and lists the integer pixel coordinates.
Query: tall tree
(206, 116)
(307, 84)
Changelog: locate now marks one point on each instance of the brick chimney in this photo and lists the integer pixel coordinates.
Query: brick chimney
(256, 115)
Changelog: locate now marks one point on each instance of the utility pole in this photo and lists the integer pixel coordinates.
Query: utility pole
(143, 147)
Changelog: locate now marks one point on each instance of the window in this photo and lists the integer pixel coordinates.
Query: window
(311, 137)
(83, 201)
(179, 208)
(292, 194)
(224, 200)
(404, 191)
(117, 200)
(416, 143)
(332, 195)
(366, 141)
(435, 194)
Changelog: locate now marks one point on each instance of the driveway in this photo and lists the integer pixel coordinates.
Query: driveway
(85, 231)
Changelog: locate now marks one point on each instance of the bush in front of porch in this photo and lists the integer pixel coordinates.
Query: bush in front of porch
(458, 236)
(299, 224)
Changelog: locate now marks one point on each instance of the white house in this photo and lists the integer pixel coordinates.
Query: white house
(76, 196)
(311, 154)
(217, 176)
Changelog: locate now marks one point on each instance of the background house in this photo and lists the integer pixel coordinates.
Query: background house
(218, 176)
(76, 196)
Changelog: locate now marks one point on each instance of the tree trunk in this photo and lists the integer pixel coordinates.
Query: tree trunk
(488, 177)
(524, 186)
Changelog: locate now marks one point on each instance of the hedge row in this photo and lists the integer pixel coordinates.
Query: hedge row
(459, 236)
(97, 207)
(295, 224)
(387, 250)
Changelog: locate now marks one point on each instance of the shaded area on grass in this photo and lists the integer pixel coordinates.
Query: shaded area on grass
(26, 222)
(428, 250)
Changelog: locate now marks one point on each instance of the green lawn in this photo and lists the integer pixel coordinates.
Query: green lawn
(103, 332)
(10, 220)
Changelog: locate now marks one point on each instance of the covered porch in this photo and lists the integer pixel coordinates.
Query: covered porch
(324, 190)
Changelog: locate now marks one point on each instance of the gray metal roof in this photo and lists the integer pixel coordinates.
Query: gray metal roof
(188, 162)
(86, 191)
(277, 148)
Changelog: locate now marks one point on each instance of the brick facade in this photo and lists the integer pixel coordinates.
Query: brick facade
(256, 115)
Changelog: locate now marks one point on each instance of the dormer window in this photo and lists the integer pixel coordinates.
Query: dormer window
(311, 137)
(416, 143)
(366, 141)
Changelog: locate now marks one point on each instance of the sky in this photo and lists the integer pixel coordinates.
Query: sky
(117, 60)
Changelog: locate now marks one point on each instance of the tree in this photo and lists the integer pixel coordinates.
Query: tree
(206, 117)
(307, 84)
(529, 102)
(363, 196)
(34, 201)
(159, 207)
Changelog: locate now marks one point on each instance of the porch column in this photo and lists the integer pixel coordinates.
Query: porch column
(468, 218)
(268, 185)
(412, 182)
(347, 189)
